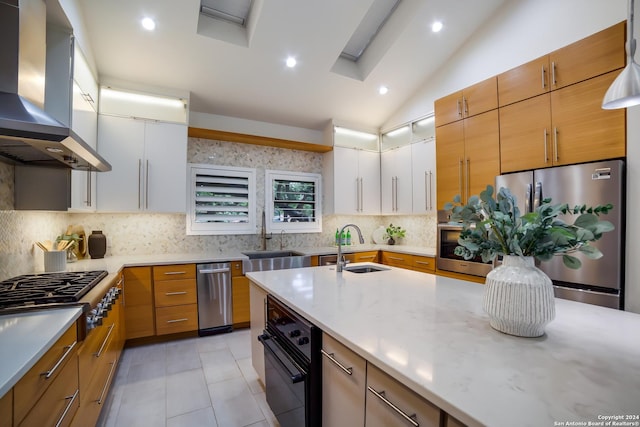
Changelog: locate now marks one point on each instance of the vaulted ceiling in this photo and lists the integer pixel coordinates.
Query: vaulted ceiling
(248, 78)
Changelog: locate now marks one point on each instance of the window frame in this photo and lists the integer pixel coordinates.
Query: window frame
(195, 228)
(292, 227)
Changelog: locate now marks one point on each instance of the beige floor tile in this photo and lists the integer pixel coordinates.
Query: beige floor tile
(219, 366)
(143, 404)
(182, 355)
(270, 419)
(233, 403)
(186, 392)
(240, 344)
(212, 343)
(200, 418)
(250, 375)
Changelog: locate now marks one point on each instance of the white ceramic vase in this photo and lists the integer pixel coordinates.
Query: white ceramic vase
(519, 297)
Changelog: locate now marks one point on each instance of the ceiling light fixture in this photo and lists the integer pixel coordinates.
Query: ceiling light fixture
(291, 62)
(625, 90)
(148, 24)
(383, 90)
(436, 27)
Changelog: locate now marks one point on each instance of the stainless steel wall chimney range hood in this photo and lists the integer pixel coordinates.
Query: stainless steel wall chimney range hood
(28, 135)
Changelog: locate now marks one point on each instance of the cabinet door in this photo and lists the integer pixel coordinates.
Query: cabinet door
(241, 304)
(482, 152)
(343, 385)
(423, 168)
(525, 135)
(84, 121)
(6, 409)
(448, 109)
(480, 97)
(389, 403)
(165, 167)
(369, 173)
(523, 82)
(449, 160)
(582, 130)
(121, 141)
(396, 180)
(346, 180)
(138, 302)
(592, 56)
(257, 302)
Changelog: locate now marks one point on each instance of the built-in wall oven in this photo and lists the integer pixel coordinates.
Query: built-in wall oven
(447, 260)
(293, 369)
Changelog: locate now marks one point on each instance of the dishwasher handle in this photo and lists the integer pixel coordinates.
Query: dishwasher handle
(214, 270)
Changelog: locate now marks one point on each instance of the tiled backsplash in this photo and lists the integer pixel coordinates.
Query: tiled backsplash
(147, 233)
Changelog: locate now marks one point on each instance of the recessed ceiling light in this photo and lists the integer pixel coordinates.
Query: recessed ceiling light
(291, 62)
(382, 90)
(436, 26)
(148, 24)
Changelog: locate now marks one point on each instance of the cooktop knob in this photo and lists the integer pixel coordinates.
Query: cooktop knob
(303, 340)
(294, 333)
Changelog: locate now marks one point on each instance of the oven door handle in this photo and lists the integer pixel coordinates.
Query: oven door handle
(282, 357)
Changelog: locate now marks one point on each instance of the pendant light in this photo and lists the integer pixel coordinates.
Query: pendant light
(625, 90)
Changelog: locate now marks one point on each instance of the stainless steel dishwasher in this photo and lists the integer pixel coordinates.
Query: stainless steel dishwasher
(214, 298)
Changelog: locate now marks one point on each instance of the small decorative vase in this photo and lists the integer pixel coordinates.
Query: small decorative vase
(97, 244)
(519, 297)
(391, 241)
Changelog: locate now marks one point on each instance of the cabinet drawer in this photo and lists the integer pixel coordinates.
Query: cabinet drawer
(43, 374)
(396, 259)
(94, 392)
(384, 391)
(175, 292)
(60, 402)
(423, 263)
(175, 271)
(179, 318)
(97, 348)
(369, 256)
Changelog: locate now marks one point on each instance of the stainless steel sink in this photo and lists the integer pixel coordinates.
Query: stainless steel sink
(364, 268)
(274, 260)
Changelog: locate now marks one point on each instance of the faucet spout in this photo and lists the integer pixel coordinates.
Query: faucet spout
(340, 262)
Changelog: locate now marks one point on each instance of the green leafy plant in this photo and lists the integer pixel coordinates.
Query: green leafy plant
(494, 226)
(394, 232)
(75, 238)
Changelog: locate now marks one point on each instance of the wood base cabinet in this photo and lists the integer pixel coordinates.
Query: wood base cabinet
(389, 403)
(241, 304)
(175, 298)
(421, 263)
(6, 409)
(343, 385)
(138, 302)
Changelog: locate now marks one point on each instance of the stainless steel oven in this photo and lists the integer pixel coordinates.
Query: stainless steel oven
(448, 234)
(293, 369)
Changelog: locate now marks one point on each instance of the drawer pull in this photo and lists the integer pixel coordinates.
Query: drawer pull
(184, 319)
(50, 372)
(106, 383)
(71, 399)
(104, 343)
(175, 293)
(409, 418)
(423, 262)
(368, 257)
(173, 273)
(396, 258)
(348, 371)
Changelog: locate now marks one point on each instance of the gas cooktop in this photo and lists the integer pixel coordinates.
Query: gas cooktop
(46, 288)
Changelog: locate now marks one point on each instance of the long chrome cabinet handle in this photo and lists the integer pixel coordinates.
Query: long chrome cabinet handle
(146, 187)
(357, 194)
(71, 399)
(88, 202)
(459, 109)
(468, 189)
(348, 371)
(396, 258)
(423, 262)
(106, 383)
(173, 273)
(426, 191)
(460, 178)
(546, 154)
(139, 183)
(430, 191)
(50, 372)
(555, 143)
(544, 83)
(99, 353)
(553, 74)
(465, 106)
(213, 270)
(408, 418)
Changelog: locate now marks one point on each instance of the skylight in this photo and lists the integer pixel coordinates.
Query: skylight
(233, 11)
(373, 21)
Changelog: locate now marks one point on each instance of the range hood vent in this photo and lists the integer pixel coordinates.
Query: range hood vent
(28, 135)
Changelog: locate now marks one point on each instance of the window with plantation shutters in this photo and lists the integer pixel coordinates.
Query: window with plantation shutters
(222, 200)
(293, 202)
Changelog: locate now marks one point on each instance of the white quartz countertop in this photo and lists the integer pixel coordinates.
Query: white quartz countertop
(25, 337)
(431, 333)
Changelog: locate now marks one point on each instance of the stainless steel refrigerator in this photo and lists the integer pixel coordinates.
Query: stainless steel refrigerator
(600, 281)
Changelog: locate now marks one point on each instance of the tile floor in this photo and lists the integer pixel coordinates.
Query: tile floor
(205, 381)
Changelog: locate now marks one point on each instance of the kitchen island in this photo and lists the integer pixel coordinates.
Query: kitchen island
(431, 334)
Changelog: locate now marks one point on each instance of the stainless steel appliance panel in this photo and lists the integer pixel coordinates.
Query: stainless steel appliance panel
(447, 241)
(215, 312)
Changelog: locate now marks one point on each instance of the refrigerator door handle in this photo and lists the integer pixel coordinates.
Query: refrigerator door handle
(527, 199)
(537, 198)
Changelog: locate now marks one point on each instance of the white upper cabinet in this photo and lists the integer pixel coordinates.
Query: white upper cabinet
(351, 174)
(423, 168)
(149, 161)
(396, 181)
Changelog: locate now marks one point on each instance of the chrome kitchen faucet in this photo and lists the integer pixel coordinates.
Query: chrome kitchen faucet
(340, 262)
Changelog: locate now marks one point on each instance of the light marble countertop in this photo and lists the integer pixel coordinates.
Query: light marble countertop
(431, 333)
(25, 337)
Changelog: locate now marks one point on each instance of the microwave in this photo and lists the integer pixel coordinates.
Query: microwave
(447, 260)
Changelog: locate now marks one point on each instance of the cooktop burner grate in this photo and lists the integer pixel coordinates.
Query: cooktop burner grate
(48, 288)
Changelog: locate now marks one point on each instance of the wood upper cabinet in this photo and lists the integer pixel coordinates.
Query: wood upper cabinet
(467, 156)
(592, 56)
(389, 403)
(563, 127)
(343, 384)
(582, 130)
(473, 100)
(138, 302)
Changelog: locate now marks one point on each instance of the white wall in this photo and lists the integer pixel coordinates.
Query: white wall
(524, 30)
